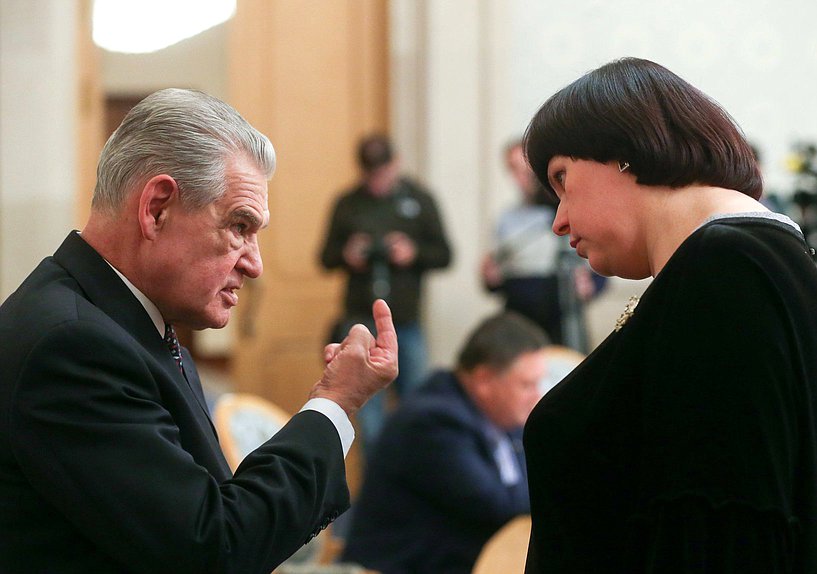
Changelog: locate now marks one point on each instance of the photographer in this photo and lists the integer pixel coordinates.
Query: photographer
(385, 233)
(534, 270)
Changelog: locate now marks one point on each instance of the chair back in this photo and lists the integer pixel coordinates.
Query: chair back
(244, 422)
(507, 550)
(561, 360)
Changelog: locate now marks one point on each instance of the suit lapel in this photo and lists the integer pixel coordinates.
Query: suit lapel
(104, 288)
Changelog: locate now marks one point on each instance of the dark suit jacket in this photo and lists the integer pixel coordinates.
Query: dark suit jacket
(432, 493)
(108, 459)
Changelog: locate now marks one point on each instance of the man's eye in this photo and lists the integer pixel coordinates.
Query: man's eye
(240, 228)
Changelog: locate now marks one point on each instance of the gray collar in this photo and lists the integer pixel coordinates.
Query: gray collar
(757, 214)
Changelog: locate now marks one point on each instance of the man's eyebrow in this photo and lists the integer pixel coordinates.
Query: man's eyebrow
(247, 215)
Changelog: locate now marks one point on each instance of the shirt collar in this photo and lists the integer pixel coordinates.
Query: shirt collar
(150, 308)
(760, 214)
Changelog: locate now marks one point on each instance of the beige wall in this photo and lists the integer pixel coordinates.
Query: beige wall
(199, 62)
(312, 75)
(90, 113)
(38, 156)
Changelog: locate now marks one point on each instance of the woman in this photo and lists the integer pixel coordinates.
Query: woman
(686, 441)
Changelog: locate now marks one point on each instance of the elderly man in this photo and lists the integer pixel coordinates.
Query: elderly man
(448, 470)
(108, 459)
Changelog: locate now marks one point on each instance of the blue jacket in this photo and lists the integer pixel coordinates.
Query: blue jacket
(432, 493)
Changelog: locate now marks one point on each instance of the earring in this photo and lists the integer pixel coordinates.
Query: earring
(622, 165)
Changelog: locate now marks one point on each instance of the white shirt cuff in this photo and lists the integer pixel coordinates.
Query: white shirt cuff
(331, 410)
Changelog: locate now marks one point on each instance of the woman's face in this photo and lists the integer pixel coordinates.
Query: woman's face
(598, 210)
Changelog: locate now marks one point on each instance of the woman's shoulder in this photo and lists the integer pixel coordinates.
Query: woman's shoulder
(747, 230)
(749, 243)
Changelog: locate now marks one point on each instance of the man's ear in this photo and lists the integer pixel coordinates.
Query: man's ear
(154, 200)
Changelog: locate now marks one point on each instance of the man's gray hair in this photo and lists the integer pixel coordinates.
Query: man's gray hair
(185, 134)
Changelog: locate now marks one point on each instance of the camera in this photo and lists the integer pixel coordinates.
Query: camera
(378, 258)
(377, 251)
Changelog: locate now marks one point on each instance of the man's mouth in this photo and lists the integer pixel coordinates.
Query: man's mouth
(230, 295)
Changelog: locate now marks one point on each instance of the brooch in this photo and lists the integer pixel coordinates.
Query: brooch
(628, 312)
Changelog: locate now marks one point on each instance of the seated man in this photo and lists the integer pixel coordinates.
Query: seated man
(448, 470)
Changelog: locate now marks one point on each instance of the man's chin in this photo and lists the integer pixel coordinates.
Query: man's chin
(215, 321)
(220, 324)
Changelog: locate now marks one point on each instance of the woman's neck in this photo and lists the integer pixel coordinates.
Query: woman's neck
(679, 212)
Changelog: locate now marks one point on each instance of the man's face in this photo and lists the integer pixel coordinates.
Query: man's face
(511, 394)
(381, 180)
(209, 251)
(521, 172)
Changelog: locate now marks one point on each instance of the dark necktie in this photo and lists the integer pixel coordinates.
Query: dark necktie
(173, 344)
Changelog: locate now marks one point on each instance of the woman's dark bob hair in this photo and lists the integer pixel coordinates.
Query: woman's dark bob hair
(636, 111)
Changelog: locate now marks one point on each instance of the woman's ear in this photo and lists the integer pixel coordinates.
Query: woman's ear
(154, 200)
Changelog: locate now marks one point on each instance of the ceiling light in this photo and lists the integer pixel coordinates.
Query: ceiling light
(141, 26)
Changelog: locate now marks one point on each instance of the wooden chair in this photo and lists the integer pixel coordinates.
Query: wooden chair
(506, 551)
(561, 360)
(244, 422)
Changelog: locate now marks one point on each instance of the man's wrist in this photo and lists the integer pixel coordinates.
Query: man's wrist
(331, 410)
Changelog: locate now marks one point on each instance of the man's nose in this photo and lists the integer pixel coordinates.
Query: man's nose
(250, 263)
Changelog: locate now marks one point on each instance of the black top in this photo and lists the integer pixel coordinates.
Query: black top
(686, 441)
(433, 493)
(407, 208)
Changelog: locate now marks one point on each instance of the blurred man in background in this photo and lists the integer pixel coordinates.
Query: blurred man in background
(386, 233)
(448, 470)
(534, 270)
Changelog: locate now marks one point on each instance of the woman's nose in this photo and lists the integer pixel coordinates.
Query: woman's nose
(561, 226)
